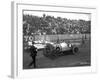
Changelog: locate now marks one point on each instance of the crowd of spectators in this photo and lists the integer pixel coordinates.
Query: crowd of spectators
(54, 25)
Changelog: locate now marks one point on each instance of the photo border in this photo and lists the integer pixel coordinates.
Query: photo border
(17, 38)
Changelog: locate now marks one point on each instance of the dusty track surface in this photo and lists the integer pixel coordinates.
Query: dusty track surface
(83, 58)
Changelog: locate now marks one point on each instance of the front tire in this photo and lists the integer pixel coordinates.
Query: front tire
(48, 50)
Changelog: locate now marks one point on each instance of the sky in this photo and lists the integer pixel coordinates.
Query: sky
(75, 16)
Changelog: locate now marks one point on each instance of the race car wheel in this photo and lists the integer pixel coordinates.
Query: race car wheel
(75, 50)
(48, 50)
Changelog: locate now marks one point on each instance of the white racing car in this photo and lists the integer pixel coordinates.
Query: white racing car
(50, 48)
(60, 48)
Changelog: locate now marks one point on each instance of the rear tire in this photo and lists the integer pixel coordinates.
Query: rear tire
(75, 50)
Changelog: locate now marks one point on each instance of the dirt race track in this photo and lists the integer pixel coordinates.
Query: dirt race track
(83, 58)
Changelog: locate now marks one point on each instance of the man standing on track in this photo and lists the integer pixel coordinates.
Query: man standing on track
(33, 51)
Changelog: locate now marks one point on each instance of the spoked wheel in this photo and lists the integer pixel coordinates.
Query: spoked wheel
(48, 50)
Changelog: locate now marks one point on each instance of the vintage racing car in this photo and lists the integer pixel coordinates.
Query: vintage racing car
(60, 48)
(51, 48)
